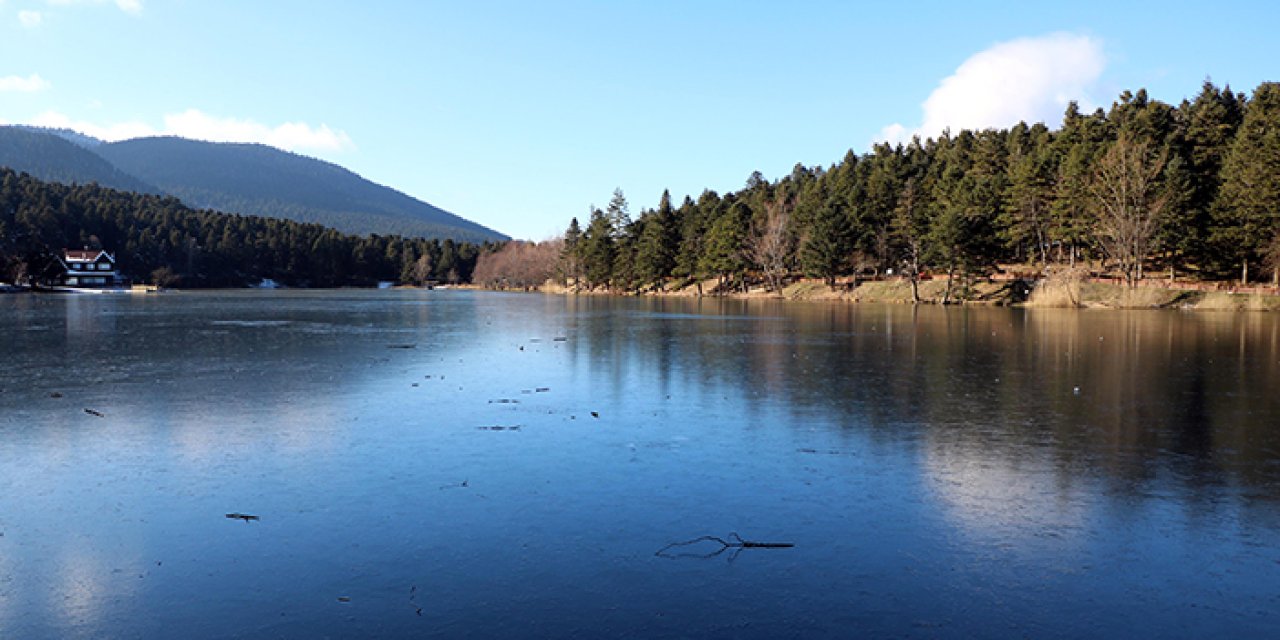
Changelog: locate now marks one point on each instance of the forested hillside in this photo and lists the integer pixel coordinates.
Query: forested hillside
(157, 238)
(1190, 190)
(256, 179)
(48, 155)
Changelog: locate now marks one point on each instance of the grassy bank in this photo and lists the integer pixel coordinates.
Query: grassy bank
(1047, 293)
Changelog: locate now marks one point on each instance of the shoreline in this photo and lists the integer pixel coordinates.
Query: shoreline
(1024, 293)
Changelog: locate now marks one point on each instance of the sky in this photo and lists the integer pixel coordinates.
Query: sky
(521, 115)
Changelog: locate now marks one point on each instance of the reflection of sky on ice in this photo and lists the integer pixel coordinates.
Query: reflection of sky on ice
(999, 498)
(79, 590)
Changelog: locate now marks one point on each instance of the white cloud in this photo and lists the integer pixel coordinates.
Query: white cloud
(195, 124)
(111, 132)
(29, 84)
(30, 19)
(1029, 79)
(128, 6)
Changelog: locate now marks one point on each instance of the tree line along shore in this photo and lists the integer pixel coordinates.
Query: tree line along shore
(1152, 196)
(1146, 194)
(159, 240)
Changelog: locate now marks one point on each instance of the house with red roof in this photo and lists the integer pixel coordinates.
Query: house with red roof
(88, 268)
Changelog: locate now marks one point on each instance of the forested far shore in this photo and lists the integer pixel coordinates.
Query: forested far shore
(159, 240)
(1144, 188)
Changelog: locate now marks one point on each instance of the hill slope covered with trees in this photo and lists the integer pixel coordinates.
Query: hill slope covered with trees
(50, 156)
(157, 238)
(259, 180)
(237, 178)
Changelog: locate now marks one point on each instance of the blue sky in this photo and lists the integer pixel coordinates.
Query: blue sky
(519, 115)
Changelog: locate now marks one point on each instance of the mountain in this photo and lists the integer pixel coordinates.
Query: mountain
(49, 156)
(70, 135)
(259, 180)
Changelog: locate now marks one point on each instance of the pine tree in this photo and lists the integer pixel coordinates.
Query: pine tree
(723, 253)
(1212, 120)
(571, 256)
(910, 228)
(598, 250)
(827, 244)
(1247, 211)
(1026, 219)
(656, 250)
(618, 212)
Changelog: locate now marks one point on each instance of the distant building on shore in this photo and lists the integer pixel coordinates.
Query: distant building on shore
(88, 268)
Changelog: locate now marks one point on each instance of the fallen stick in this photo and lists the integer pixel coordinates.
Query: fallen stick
(734, 542)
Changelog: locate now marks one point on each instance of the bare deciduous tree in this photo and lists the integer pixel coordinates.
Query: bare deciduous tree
(422, 270)
(1126, 190)
(518, 265)
(769, 246)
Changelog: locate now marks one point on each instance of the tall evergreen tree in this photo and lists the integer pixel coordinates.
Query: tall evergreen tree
(1247, 210)
(1211, 122)
(598, 250)
(571, 257)
(659, 239)
(828, 243)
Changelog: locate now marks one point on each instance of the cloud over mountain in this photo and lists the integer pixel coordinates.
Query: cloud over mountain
(198, 125)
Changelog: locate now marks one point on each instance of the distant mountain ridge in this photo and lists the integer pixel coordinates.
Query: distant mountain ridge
(51, 157)
(250, 179)
(70, 135)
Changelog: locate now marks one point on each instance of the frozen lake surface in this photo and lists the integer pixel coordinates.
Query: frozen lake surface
(462, 464)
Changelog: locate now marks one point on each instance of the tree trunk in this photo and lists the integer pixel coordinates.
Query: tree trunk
(951, 274)
(915, 277)
(1244, 273)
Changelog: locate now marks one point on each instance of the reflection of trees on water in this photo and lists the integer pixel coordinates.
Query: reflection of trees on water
(1133, 397)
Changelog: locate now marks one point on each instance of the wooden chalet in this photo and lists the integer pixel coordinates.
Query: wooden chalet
(88, 268)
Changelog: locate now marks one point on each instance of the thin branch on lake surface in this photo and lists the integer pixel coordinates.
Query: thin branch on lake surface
(413, 593)
(734, 542)
(95, 413)
(242, 516)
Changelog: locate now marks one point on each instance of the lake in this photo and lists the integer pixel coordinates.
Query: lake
(467, 464)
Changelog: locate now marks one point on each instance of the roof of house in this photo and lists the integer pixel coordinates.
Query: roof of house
(85, 255)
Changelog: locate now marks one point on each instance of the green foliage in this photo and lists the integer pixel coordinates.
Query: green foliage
(1246, 215)
(964, 203)
(157, 237)
(598, 250)
(723, 253)
(656, 247)
(828, 245)
(254, 179)
(50, 157)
